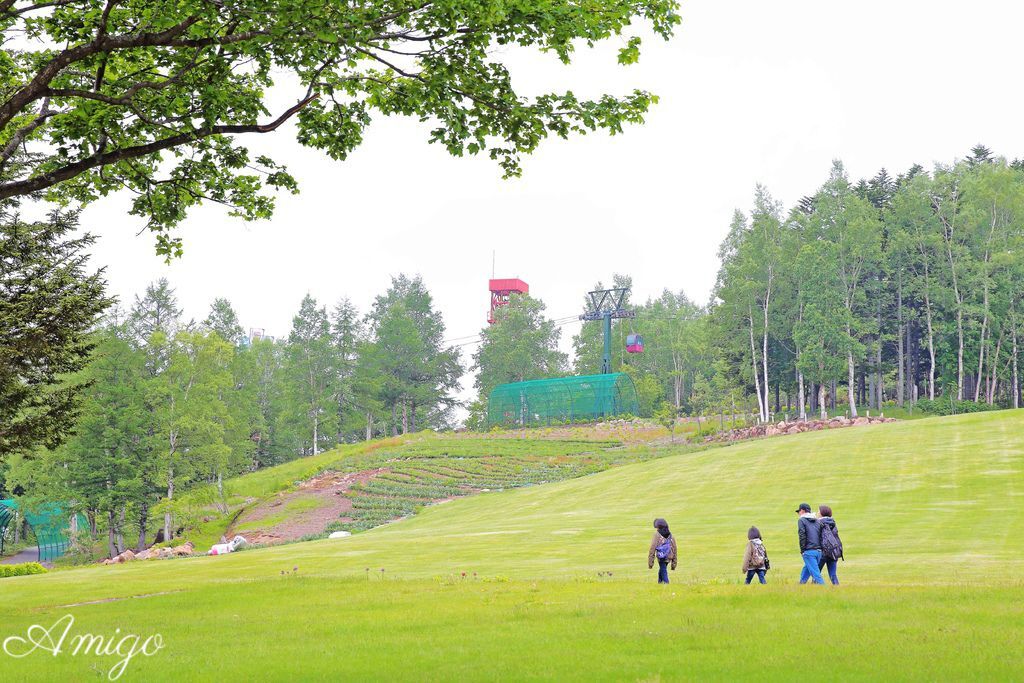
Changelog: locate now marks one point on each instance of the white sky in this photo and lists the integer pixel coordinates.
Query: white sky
(750, 92)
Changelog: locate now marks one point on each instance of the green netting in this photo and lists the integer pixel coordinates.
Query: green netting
(564, 399)
(49, 524)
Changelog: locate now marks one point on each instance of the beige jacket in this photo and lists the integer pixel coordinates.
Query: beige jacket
(652, 554)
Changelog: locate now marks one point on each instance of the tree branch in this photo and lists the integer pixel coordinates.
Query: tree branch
(20, 136)
(126, 97)
(5, 7)
(36, 87)
(50, 179)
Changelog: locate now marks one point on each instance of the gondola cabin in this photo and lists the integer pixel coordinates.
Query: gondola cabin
(634, 343)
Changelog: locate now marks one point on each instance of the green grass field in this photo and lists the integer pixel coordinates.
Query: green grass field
(556, 584)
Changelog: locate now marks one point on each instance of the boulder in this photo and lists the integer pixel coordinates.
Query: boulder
(183, 550)
(860, 421)
(340, 534)
(159, 553)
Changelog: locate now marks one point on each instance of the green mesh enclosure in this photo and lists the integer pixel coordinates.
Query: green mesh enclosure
(564, 399)
(49, 524)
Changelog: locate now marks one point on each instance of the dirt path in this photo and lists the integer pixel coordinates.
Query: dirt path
(320, 500)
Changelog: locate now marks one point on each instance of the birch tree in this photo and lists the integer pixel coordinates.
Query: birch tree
(852, 226)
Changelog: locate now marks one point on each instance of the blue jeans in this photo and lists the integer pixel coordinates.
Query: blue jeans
(760, 575)
(662, 571)
(812, 558)
(831, 570)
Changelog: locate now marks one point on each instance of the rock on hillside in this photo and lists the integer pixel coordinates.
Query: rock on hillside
(153, 553)
(796, 427)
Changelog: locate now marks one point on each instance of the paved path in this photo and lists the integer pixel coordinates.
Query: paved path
(26, 555)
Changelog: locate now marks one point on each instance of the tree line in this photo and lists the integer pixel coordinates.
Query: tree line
(863, 295)
(888, 290)
(167, 404)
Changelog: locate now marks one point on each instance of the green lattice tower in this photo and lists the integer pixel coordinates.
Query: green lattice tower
(604, 305)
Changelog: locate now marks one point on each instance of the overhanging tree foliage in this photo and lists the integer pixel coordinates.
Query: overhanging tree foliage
(152, 96)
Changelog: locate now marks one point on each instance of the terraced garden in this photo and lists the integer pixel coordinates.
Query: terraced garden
(433, 470)
(356, 488)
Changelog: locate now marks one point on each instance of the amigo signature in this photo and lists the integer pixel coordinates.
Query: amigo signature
(58, 640)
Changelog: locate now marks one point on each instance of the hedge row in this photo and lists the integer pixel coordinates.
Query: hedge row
(950, 406)
(7, 570)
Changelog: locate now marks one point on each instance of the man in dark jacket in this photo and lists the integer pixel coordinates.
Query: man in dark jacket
(810, 544)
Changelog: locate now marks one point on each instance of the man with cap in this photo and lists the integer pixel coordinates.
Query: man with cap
(810, 544)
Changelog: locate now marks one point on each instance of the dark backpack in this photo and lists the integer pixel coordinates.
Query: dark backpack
(831, 545)
(664, 549)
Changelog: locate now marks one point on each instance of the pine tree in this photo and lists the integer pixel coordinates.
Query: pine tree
(224, 321)
(346, 334)
(980, 154)
(155, 311)
(419, 375)
(49, 302)
(310, 371)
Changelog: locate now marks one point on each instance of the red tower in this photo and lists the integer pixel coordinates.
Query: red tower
(501, 290)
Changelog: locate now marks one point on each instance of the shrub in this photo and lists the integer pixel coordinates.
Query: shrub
(82, 550)
(7, 570)
(951, 406)
(706, 429)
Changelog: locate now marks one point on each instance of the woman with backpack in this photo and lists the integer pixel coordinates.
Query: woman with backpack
(663, 549)
(755, 557)
(831, 545)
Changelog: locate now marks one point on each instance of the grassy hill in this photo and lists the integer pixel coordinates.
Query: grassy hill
(551, 581)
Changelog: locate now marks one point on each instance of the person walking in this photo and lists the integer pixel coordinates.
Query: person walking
(809, 534)
(831, 544)
(755, 557)
(663, 549)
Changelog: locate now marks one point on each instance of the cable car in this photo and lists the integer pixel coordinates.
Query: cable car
(634, 343)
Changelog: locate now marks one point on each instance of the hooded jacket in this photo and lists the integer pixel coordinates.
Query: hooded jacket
(657, 540)
(831, 523)
(808, 532)
(748, 555)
